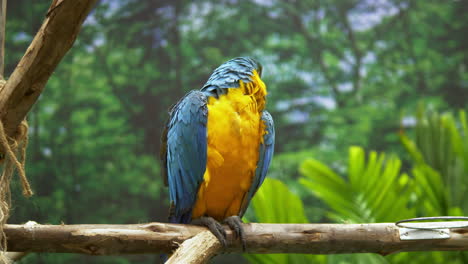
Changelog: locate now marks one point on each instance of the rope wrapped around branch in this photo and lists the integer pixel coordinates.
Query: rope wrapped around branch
(14, 158)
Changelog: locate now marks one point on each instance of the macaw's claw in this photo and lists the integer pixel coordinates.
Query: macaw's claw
(235, 223)
(214, 226)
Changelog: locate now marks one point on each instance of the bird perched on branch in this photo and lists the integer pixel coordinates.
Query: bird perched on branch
(217, 147)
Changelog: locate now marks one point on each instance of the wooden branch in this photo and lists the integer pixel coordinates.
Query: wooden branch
(382, 238)
(15, 256)
(55, 37)
(196, 250)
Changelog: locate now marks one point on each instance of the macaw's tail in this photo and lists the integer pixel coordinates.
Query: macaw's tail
(163, 258)
(176, 219)
(181, 219)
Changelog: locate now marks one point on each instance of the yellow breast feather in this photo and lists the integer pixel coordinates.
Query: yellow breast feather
(235, 131)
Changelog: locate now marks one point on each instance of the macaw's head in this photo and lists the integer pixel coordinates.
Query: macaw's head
(241, 72)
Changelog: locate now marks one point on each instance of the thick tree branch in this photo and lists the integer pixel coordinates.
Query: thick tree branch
(54, 39)
(196, 250)
(382, 238)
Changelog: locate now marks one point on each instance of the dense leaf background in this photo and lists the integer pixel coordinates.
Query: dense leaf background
(367, 97)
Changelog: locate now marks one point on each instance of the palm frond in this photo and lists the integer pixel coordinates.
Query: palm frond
(375, 191)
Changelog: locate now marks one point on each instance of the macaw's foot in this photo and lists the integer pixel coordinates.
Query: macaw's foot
(214, 226)
(235, 223)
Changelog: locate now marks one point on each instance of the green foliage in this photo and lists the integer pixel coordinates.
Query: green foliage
(374, 191)
(275, 203)
(439, 152)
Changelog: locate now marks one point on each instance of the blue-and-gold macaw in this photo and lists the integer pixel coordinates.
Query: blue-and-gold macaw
(217, 147)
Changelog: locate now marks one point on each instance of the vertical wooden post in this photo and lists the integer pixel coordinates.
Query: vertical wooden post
(3, 6)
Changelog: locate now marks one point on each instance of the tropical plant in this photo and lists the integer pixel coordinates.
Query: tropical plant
(374, 191)
(440, 155)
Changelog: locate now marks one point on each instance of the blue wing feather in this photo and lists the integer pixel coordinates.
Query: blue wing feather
(186, 153)
(266, 154)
